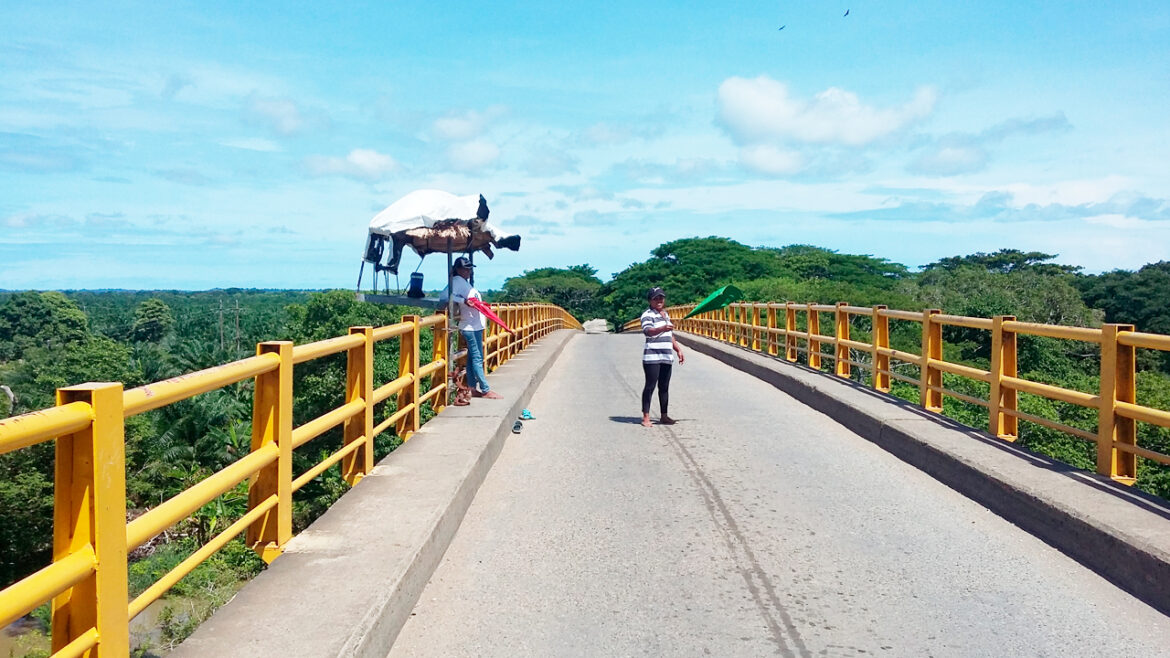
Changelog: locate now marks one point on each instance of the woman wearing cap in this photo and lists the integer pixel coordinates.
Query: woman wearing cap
(657, 359)
(471, 325)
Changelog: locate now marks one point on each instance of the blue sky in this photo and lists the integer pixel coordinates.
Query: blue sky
(199, 145)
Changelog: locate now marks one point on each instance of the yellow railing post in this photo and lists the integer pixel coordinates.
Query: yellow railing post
(744, 325)
(514, 316)
(755, 327)
(90, 511)
(272, 423)
(524, 316)
(842, 333)
(1118, 384)
(439, 348)
(529, 317)
(359, 385)
(505, 344)
(408, 365)
(501, 344)
(930, 377)
(881, 341)
(1003, 364)
(724, 328)
(790, 352)
(771, 342)
(814, 330)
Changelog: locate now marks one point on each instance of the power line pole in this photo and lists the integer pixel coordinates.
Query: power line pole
(238, 311)
(221, 325)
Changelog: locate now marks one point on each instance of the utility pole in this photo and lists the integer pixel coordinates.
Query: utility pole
(238, 310)
(221, 325)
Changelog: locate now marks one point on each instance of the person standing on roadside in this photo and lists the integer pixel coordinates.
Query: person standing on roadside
(657, 356)
(471, 326)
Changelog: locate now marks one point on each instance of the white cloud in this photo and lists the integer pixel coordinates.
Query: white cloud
(252, 144)
(1122, 222)
(964, 153)
(768, 159)
(544, 160)
(280, 115)
(360, 164)
(462, 126)
(606, 133)
(762, 110)
(950, 160)
(473, 155)
(1069, 192)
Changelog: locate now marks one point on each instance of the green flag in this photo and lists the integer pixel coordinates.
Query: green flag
(717, 300)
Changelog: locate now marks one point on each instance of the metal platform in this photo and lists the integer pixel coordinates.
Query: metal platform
(429, 303)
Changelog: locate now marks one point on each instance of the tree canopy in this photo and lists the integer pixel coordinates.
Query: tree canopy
(39, 319)
(152, 320)
(572, 288)
(1004, 261)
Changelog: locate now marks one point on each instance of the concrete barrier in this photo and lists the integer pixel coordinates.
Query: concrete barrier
(1117, 531)
(347, 584)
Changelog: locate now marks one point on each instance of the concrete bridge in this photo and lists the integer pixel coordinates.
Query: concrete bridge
(787, 513)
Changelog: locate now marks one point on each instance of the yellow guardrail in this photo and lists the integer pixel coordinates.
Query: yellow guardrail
(771, 327)
(87, 579)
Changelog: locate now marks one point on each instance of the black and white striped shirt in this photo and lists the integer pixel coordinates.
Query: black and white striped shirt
(659, 348)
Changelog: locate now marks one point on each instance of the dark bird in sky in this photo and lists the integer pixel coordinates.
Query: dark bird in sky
(846, 13)
(782, 27)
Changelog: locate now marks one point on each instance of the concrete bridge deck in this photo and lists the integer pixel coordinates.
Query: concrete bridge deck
(755, 526)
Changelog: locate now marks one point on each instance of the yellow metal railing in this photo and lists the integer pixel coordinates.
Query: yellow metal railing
(529, 323)
(87, 579)
(772, 328)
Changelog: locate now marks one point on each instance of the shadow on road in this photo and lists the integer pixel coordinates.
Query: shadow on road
(637, 420)
(633, 420)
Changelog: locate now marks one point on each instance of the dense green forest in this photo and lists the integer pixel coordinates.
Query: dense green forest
(54, 339)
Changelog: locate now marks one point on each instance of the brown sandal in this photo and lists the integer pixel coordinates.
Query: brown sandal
(462, 390)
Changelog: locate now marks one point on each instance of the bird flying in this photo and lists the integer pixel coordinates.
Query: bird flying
(782, 27)
(846, 13)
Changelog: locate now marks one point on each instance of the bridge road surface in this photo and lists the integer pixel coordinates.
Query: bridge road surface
(754, 527)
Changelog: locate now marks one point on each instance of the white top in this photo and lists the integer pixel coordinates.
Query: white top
(422, 208)
(659, 348)
(470, 319)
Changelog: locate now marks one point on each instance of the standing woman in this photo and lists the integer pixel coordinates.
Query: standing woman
(471, 325)
(657, 359)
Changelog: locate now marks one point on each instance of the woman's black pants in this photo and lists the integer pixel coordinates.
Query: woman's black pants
(657, 374)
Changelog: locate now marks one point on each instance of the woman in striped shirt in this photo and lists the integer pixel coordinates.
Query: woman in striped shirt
(657, 359)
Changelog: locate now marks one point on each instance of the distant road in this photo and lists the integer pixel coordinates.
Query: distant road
(754, 527)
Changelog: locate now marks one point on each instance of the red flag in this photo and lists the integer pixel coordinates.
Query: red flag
(487, 311)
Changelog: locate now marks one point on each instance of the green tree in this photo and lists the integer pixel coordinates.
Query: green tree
(1141, 298)
(687, 270)
(574, 289)
(1005, 261)
(152, 321)
(804, 262)
(39, 319)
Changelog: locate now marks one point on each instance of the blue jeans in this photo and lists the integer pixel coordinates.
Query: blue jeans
(475, 376)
